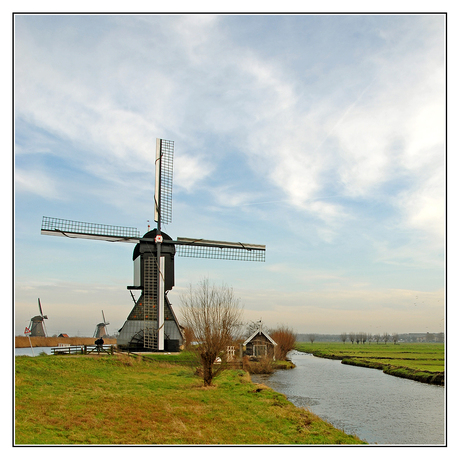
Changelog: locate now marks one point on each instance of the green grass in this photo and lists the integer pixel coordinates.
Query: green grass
(128, 400)
(418, 361)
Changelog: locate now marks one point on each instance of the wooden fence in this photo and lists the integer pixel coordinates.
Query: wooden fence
(83, 349)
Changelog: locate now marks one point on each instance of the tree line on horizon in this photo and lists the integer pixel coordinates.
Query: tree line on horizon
(363, 337)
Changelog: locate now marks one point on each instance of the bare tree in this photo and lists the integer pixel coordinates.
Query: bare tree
(254, 326)
(386, 337)
(311, 337)
(214, 316)
(285, 339)
(352, 337)
(395, 337)
(343, 337)
(377, 338)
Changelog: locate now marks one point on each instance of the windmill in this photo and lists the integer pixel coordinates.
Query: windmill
(37, 323)
(101, 330)
(152, 324)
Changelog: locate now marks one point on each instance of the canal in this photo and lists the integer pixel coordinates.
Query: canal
(378, 408)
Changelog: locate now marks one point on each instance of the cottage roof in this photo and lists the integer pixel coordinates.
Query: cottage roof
(259, 331)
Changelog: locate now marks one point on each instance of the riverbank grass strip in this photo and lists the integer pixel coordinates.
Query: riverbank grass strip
(129, 400)
(423, 362)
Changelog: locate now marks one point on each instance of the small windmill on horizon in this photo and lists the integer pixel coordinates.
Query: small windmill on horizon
(37, 323)
(152, 324)
(101, 328)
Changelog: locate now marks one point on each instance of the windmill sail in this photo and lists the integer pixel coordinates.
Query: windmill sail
(163, 181)
(75, 229)
(210, 249)
(40, 308)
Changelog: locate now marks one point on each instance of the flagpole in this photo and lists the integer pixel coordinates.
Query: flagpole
(27, 332)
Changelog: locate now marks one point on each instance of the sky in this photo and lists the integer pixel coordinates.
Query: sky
(320, 136)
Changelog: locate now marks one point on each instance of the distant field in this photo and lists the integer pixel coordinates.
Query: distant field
(120, 399)
(417, 361)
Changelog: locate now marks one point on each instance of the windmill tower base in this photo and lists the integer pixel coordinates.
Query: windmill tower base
(131, 335)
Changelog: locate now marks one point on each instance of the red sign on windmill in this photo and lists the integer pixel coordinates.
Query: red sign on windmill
(26, 330)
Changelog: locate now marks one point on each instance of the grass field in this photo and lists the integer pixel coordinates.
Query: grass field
(118, 399)
(417, 361)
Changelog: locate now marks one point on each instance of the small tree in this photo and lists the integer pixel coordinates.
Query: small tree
(395, 337)
(285, 339)
(343, 337)
(352, 337)
(386, 337)
(253, 326)
(377, 338)
(214, 316)
(311, 337)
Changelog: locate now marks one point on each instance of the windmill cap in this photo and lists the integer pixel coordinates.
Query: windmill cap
(170, 249)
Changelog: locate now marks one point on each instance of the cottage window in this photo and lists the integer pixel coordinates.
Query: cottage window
(260, 350)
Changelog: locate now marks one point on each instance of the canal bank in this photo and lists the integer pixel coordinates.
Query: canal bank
(376, 407)
(423, 362)
(23, 342)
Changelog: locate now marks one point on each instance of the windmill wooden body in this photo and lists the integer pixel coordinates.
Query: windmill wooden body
(152, 324)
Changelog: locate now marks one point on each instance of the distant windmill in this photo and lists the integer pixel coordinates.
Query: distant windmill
(101, 330)
(152, 324)
(37, 323)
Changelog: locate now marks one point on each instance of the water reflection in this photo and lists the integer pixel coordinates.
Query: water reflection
(378, 408)
(35, 351)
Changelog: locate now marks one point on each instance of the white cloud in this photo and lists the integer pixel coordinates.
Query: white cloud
(191, 170)
(37, 182)
(423, 209)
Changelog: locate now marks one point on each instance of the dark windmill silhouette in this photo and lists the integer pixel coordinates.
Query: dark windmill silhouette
(101, 330)
(152, 324)
(37, 323)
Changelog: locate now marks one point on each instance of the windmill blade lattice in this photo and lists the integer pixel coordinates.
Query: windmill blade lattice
(209, 249)
(86, 230)
(164, 181)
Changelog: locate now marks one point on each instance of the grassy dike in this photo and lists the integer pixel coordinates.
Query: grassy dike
(128, 400)
(423, 362)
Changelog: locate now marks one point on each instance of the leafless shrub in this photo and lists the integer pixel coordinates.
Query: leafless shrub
(285, 338)
(262, 366)
(214, 316)
(189, 338)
